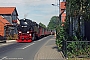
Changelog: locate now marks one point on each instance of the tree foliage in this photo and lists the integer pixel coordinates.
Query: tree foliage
(54, 22)
(78, 8)
(41, 24)
(78, 11)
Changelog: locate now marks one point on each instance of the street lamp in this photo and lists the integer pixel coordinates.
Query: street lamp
(57, 5)
(59, 10)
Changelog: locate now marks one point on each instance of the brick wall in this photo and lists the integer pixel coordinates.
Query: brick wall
(1, 29)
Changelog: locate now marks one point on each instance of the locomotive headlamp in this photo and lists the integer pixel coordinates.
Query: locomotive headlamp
(20, 32)
(27, 31)
(30, 34)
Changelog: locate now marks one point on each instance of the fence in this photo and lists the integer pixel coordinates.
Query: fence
(76, 49)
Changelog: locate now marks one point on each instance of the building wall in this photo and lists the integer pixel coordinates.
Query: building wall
(12, 18)
(62, 11)
(8, 17)
(14, 22)
(62, 5)
(1, 29)
(63, 17)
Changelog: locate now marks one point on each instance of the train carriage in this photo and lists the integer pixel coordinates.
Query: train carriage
(29, 31)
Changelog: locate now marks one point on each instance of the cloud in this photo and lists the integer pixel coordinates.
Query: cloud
(11, 1)
(30, 2)
(36, 10)
(37, 2)
(27, 2)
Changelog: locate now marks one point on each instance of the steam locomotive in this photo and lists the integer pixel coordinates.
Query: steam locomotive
(29, 31)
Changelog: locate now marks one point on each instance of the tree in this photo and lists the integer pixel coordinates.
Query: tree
(54, 22)
(42, 25)
(78, 12)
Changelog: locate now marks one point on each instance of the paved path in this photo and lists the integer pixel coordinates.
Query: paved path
(49, 51)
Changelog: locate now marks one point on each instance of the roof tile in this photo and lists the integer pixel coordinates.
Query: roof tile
(6, 10)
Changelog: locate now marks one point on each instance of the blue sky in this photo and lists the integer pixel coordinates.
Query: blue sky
(36, 10)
